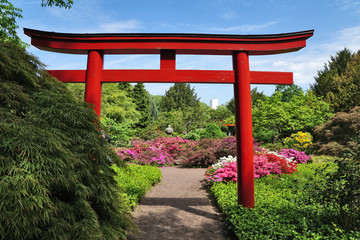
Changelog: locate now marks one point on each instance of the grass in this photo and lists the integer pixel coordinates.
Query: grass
(135, 181)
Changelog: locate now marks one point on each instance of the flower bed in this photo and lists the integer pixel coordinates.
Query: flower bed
(206, 152)
(265, 163)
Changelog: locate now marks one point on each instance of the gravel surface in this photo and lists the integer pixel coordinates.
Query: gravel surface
(178, 208)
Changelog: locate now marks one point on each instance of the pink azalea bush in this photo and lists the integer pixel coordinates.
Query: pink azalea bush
(206, 152)
(299, 157)
(224, 170)
(265, 163)
(160, 152)
(200, 153)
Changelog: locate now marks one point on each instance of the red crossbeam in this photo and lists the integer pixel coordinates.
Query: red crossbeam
(172, 76)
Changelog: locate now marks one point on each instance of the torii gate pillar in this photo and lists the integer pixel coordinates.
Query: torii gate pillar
(244, 135)
(93, 80)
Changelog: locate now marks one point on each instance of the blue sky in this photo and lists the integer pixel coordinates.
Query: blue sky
(336, 24)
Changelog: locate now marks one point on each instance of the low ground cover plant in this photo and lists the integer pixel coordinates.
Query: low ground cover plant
(135, 181)
(284, 208)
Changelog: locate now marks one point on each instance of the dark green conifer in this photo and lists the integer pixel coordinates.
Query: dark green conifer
(141, 99)
(178, 97)
(55, 175)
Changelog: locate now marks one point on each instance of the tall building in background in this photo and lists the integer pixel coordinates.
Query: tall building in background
(214, 102)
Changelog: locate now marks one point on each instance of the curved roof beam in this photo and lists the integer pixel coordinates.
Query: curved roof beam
(152, 43)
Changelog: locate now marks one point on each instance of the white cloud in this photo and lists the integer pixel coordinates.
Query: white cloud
(244, 28)
(349, 5)
(229, 15)
(121, 26)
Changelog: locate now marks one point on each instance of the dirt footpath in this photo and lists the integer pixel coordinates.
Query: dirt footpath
(178, 208)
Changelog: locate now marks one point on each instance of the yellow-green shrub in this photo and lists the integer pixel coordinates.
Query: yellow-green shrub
(300, 141)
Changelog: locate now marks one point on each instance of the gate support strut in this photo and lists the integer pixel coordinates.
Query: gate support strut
(244, 135)
(93, 80)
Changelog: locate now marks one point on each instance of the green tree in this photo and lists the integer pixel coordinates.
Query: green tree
(288, 91)
(117, 105)
(126, 87)
(56, 180)
(8, 26)
(255, 96)
(9, 14)
(330, 82)
(154, 108)
(57, 3)
(179, 96)
(338, 134)
(220, 113)
(141, 99)
(212, 131)
(231, 105)
(346, 87)
(275, 117)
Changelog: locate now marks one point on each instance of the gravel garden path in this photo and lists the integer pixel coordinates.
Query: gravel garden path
(178, 208)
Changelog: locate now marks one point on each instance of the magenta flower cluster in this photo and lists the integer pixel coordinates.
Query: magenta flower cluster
(227, 173)
(160, 152)
(265, 163)
(299, 157)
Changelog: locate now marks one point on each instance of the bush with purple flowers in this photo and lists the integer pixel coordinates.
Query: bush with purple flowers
(159, 152)
(206, 152)
(299, 157)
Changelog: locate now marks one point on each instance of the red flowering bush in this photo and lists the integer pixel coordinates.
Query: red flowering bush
(287, 166)
(265, 163)
(226, 147)
(263, 167)
(162, 151)
(200, 153)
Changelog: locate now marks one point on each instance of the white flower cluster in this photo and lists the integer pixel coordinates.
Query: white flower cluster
(222, 160)
(281, 156)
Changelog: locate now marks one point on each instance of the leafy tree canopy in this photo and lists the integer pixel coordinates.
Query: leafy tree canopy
(339, 133)
(142, 101)
(115, 102)
(255, 96)
(275, 117)
(288, 91)
(57, 3)
(338, 82)
(179, 96)
(9, 13)
(8, 26)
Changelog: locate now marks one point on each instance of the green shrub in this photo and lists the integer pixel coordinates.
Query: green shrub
(135, 181)
(340, 192)
(265, 135)
(151, 132)
(338, 134)
(55, 176)
(120, 133)
(193, 135)
(212, 131)
(273, 146)
(282, 209)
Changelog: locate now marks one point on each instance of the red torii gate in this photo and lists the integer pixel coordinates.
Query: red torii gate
(168, 45)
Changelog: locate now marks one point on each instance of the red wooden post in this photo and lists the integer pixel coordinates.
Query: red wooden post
(244, 135)
(93, 79)
(167, 59)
